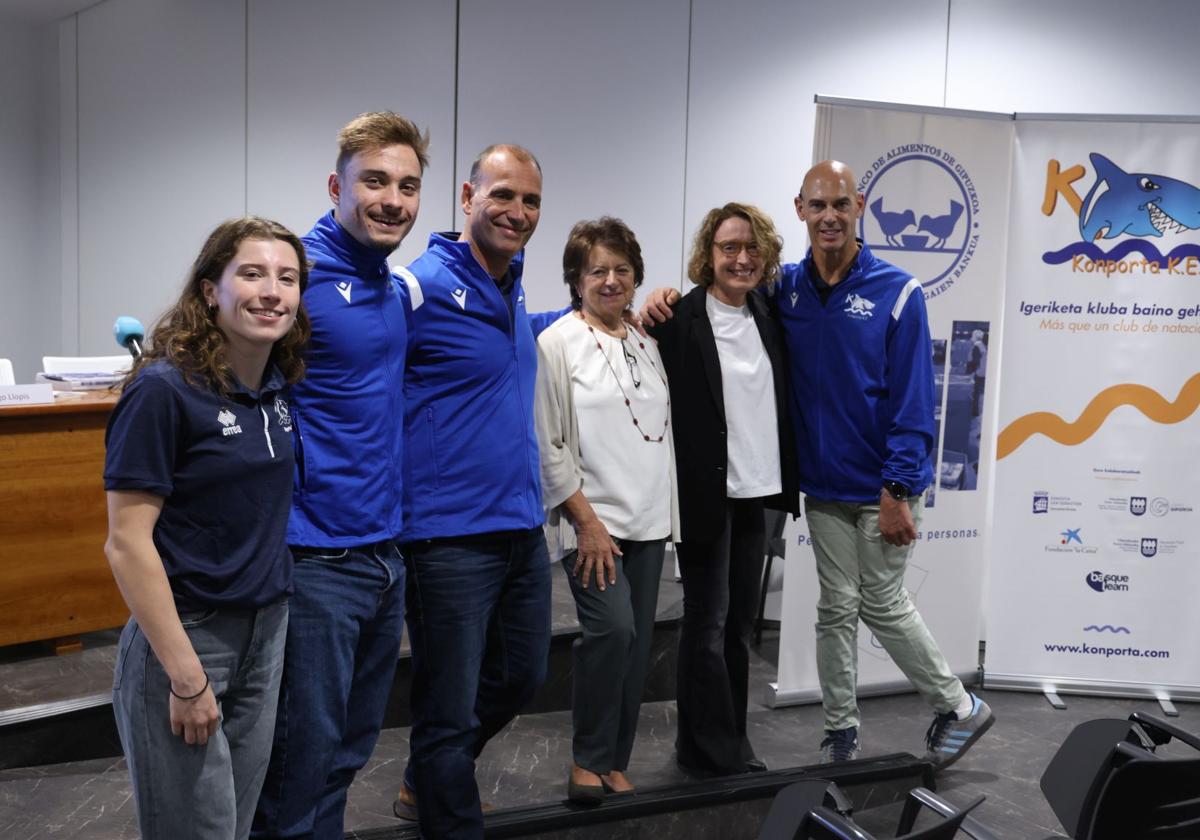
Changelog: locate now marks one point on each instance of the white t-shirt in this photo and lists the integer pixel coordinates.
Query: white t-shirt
(626, 478)
(748, 387)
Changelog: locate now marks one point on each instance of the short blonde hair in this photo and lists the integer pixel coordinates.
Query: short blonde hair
(377, 130)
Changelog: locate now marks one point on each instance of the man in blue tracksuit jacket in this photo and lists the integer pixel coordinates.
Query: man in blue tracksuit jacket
(863, 399)
(347, 613)
(478, 570)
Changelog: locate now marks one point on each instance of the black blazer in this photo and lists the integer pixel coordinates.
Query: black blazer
(689, 353)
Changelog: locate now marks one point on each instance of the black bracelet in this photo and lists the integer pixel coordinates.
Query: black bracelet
(203, 689)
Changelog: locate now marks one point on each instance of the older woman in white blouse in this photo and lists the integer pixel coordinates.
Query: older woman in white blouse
(608, 484)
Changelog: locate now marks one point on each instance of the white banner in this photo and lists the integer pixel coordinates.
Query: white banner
(1098, 472)
(937, 188)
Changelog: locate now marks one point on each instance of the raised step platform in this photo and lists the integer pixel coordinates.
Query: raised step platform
(58, 708)
(731, 808)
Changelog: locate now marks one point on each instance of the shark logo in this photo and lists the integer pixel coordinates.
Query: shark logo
(859, 307)
(1137, 209)
(1136, 204)
(343, 288)
(460, 297)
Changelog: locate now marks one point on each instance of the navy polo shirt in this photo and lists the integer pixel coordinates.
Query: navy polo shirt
(223, 466)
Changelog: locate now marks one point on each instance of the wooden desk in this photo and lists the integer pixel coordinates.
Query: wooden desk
(54, 578)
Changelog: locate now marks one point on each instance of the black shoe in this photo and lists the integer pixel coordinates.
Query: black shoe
(840, 745)
(590, 795)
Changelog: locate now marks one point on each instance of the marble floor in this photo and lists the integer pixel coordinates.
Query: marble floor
(527, 764)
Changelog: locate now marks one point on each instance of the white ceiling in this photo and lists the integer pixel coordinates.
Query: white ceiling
(40, 11)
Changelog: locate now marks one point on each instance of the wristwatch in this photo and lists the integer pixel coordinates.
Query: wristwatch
(897, 490)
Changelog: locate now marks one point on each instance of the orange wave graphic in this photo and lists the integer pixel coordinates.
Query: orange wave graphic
(1146, 400)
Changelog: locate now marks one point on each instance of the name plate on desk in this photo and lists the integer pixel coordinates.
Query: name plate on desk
(26, 394)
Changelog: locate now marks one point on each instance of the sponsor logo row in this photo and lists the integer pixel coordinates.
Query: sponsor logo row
(1046, 502)
(1073, 541)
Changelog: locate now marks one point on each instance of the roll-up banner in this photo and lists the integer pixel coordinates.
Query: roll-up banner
(936, 184)
(1095, 547)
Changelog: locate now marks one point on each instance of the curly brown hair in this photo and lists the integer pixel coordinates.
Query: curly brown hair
(770, 243)
(187, 334)
(610, 232)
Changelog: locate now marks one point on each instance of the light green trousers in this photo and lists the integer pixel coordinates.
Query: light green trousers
(863, 577)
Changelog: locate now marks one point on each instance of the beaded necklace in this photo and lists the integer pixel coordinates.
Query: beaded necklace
(628, 405)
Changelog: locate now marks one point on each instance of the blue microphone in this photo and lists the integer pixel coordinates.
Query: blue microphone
(130, 334)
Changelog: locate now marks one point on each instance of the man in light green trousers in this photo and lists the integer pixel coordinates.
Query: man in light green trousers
(862, 378)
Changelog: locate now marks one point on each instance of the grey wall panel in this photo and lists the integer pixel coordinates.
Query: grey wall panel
(67, 103)
(161, 150)
(1102, 56)
(28, 288)
(598, 92)
(312, 67)
(755, 69)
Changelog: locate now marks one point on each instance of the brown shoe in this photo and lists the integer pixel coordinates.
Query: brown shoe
(405, 805)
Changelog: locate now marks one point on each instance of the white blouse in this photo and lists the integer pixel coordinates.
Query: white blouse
(588, 437)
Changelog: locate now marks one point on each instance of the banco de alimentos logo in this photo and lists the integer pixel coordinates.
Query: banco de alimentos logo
(922, 214)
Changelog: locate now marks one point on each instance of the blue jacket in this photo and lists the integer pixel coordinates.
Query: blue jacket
(862, 379)
(472, 464)
(347, 410)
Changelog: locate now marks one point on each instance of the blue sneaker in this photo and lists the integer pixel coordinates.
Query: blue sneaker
(840, 745)
(948, 737)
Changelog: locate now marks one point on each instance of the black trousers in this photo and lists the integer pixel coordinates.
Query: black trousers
(721, 581)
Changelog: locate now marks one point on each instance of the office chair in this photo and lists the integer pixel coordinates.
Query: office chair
(818, 810)
(776, 547)
(1106, 782)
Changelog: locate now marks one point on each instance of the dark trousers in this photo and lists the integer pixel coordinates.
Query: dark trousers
(610, 657)
(721, 582)
(479, 620)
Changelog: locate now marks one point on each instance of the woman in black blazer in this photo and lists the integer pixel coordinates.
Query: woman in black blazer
(735, 454)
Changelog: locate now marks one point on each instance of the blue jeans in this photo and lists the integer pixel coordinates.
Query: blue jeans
(205, 792)
(479, 621)
(342, 646)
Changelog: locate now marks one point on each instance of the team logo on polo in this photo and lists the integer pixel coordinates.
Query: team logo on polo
(343, 287)
(859, 307)
(283, 414)
(460, 297)
(229, 420)
(923, 209)
(1137, 505)
(1149, 546)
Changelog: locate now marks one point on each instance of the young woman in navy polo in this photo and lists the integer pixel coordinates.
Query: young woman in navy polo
(198, 474)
